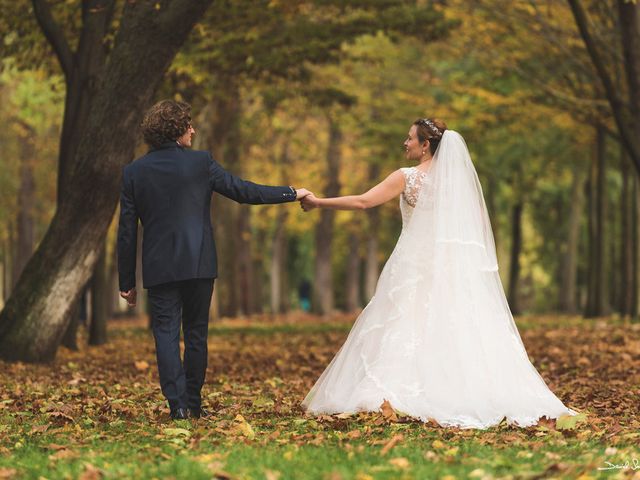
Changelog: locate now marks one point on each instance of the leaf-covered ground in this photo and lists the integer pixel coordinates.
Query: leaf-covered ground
(98, 413)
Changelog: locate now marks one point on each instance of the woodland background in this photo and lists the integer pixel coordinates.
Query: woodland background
(317, 94)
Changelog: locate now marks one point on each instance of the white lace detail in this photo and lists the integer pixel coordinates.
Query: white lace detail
(414, 179)
(417, 183)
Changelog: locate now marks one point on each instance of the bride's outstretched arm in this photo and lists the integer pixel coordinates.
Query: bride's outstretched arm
(389, 188)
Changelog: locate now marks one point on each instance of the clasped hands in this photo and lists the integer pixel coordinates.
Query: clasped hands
(307, 199)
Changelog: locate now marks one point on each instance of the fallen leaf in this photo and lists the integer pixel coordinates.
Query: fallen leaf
(272, 474)
(400, 462)
(391, 443)
(7, 472)
(141, 365)
(477, 473)
(438, 444)
(363, 476)
(63, 454)
(173, 432)
(90, 473)
(244, 427)
(570, 422)
(387, 411)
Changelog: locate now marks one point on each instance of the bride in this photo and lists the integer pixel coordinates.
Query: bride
(437, 340)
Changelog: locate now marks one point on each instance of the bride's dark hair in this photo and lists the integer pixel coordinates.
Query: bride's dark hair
(432, 130)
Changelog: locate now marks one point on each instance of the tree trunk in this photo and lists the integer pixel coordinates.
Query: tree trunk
(372, 268)
(635, 259)
(244, 264)
(626, 256)
(114, 298)
(70, 337)
(630, 32)
(26, 204)
(516, 248)
(258, 276)
(5, 272)
(490, 193)
(221, 136)
(34, 318)
(353, 273)
(141, 307)
(568, 292)
(7, 255)
(323, 300)
(278, 249)
(12, 252)
(100, 296)
(595, 295)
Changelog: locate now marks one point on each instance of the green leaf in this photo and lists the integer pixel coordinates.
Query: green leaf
(177, 431)
(262, 401)
(569, 422)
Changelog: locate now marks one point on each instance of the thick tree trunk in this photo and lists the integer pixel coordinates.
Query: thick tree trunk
(569, 269)
(34, 318)
(83, 77)
(323, 298)
(514, 265)
(100, 297)
(596, 294)
(26, 204)
(353, 273)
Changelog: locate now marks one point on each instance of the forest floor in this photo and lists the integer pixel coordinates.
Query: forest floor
(99, 413)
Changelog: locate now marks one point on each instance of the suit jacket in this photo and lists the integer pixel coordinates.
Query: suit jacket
(169, 189)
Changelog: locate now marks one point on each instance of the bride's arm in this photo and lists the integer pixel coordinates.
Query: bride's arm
(389, 188)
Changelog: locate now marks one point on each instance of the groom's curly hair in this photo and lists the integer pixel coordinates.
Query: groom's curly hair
(165, 122)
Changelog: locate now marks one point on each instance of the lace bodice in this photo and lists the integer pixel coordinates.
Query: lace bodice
(415, 179)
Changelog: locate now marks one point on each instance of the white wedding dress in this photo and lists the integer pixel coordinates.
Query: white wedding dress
(438, 340)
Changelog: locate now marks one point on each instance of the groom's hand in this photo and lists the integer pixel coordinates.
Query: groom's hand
(130, 297)
(301, 193)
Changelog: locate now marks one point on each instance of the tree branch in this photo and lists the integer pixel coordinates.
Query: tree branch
(54, 36)
(630, 32)
(616, 105)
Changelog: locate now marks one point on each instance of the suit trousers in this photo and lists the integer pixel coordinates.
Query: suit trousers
(171, 304)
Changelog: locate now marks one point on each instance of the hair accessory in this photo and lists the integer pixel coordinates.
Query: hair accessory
(431, 126)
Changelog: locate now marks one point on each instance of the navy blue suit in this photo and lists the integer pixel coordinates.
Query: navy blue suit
(169, 190)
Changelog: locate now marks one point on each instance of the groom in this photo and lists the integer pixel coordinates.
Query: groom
(169, 190)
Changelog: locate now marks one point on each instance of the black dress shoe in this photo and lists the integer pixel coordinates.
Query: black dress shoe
(198, 413)
(179, 414)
